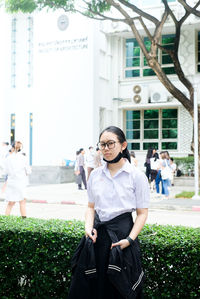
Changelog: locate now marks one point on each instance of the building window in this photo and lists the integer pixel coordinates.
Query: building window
(156, 128)
(136, 64)
(198, 46)
(151, 119)
(133, 128)
(13, 52)
(166, 61)
(169, 128)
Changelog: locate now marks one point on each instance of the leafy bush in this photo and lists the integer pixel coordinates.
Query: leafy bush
(171, 259)
(35, 258)
(185, 164)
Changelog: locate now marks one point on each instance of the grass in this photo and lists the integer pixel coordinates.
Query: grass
(185, 194)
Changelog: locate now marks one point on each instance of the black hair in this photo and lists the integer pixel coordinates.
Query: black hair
(149, 153)
(120, 136)
(172, 159)
(77, 153)
(81, 149)
(97, 148)
(132, 154)
(90, 147)
(156, 156)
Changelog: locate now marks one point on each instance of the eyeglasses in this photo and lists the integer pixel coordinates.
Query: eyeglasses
(110, 144)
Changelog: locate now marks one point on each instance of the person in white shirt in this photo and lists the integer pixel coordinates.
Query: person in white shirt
(17, 169)
(90, 161)
(115, 190)
(173, 169)
(133, 158)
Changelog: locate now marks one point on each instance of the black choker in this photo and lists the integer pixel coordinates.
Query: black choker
(116, 159)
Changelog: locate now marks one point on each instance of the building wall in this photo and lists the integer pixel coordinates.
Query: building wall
(57, 89)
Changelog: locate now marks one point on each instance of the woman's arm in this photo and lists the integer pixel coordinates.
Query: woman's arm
(90, 231)
(139, 223)
(137, 227)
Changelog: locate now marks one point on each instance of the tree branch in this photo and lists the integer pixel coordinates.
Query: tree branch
(190, 9)
(131, 23)
(129, 20)
(179, 71)
(182, 76)
(172, 88)
(159, 27)
(145, 28)
(170, 11)
(139, 11)
(102, 17)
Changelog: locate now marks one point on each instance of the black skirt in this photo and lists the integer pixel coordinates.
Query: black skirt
(103, 288)
(101, 284)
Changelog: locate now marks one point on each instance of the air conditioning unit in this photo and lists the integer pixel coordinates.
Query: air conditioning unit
(158, 97)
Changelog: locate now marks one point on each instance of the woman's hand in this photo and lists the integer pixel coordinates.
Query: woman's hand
(92, 234)
(122, 243)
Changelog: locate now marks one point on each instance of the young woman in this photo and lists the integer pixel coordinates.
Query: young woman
(165, 164)
(155, 164)
(17, 169)
(115, 190)
(148, 163)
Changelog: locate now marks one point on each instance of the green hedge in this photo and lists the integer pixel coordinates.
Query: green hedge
(35, 258)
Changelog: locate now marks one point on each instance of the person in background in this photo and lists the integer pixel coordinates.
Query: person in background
(115, 190)
(133, 158)
(90, 161)
(165, 164)
(80, 167)
(77, 172)
(158, 179)
(147, 163)
(3, 189)
(4, 152)
(97, 158)
(17, 169)
(173, 168)
(155, 165)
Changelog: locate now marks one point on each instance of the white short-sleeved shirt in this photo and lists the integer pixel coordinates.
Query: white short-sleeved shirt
(126, 191)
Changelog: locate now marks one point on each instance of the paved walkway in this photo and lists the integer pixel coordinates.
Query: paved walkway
(68, 194)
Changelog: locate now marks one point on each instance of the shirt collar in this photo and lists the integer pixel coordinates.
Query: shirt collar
(126, 167)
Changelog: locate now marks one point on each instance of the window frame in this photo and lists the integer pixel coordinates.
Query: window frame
(142, 67)
(158, 140)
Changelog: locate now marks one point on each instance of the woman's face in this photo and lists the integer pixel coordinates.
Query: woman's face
(162, 156)
(113, 146)
(18, 145)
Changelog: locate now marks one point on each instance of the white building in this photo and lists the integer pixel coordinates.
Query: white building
(66, 77)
